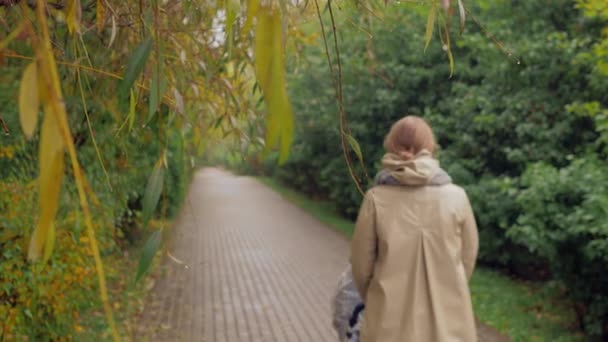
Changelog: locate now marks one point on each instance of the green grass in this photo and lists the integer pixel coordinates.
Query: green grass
(523, 311)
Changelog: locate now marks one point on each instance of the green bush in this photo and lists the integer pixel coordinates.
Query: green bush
(564, 218)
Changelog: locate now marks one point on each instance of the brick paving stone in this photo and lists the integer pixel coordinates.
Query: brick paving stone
(255, 268)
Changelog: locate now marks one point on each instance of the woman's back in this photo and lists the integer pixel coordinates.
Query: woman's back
(414, 250)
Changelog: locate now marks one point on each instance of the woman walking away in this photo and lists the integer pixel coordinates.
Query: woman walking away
(414, 246)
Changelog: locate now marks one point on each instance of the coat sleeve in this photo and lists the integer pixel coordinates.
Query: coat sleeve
(364, 245)
(470, 239)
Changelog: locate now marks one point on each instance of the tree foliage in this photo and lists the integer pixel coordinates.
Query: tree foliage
(521, 124)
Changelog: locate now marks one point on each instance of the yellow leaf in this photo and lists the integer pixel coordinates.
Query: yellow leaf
(270, 73)
(252, 10)
(43, 89)
(28, 100)
(73, 15)
(264, 44)
(51, 163)
(101, 15)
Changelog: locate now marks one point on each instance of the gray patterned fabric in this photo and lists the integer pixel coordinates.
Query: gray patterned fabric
(347, 308)
(384, 177)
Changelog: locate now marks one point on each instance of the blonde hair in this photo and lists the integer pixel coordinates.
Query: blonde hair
(409, 136)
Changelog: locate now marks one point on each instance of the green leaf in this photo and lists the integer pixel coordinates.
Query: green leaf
(430, 25)
(218, 121)
(28, 313)
(448, 48)
(451, 59)
(354, 145)
(152, 194)
(148, 253)
(157, 87)
(49, 244)
(132, 103)
(135, 65)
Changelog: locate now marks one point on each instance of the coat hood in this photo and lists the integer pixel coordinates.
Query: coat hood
(423, 169)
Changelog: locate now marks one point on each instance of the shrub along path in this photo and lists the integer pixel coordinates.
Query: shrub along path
(247, 265)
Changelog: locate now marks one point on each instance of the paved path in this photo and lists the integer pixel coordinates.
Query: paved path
(255, 268)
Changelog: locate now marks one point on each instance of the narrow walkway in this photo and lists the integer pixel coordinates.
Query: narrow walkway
(255, 268)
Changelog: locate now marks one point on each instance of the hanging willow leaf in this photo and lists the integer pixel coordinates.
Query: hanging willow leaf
(266, 27)
(135, 65)
(132, 103)
(462, 15)
(448, 47)
(158, 85)
(270, 73)
(218, 121)
(49, 244)
(252, 11)
(355, 146)
(114, 31)
(73, 15)
(147, 254)
(156, 92)
(232, 10)
(152, 193)
(51, 164)
(430, 25)
(100, 16)
(28, 100)
(451, 59)
(179, 101)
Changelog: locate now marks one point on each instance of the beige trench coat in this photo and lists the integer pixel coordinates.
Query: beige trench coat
(413, 252)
